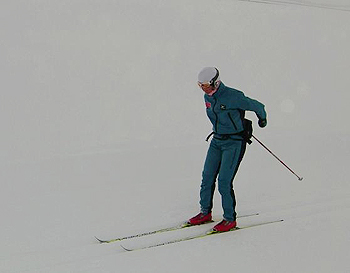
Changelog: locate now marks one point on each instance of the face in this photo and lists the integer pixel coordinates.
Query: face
(206, 87)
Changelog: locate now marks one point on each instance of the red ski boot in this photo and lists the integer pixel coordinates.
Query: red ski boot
(200, 219)
(225, 226)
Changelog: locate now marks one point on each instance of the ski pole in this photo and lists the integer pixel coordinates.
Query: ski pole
(299, 178)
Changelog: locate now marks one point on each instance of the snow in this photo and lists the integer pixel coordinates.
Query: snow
(103, 130)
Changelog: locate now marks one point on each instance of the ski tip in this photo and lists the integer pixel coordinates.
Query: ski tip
(100, 241)
(126, 249)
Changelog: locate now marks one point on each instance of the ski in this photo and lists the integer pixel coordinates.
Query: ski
(208, 233)
(176, 227)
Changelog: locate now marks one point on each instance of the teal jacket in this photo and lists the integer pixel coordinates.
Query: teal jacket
(226, 109)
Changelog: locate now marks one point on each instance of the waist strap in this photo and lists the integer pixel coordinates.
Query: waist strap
(223, 136)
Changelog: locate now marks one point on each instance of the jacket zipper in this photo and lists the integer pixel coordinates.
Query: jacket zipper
(216, 117)
(234, 125)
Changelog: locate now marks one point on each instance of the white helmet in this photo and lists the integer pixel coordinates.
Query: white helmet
(209, 75)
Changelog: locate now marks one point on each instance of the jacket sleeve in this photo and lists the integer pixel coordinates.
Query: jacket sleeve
(249, 104)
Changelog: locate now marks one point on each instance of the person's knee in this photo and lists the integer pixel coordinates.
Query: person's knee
(224, 188)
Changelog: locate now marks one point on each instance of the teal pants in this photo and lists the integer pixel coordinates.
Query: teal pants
(222, 162)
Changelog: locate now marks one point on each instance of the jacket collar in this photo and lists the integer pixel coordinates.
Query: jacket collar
(219, 91)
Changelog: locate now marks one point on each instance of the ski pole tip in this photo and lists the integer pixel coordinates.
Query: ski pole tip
(301, 178)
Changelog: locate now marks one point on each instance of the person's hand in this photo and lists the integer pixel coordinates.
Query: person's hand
(262, 122)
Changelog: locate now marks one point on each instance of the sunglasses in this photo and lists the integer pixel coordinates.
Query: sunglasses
(204, 85)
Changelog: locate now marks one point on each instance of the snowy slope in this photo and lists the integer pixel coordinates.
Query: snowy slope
(103, 132)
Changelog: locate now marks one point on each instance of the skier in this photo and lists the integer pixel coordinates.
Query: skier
(225, 109)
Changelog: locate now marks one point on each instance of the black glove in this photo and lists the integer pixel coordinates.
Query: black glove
(262, 122)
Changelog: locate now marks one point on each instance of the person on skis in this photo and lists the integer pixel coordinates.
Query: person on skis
(225, 109)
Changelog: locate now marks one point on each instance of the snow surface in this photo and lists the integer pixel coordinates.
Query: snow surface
(103, 130)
